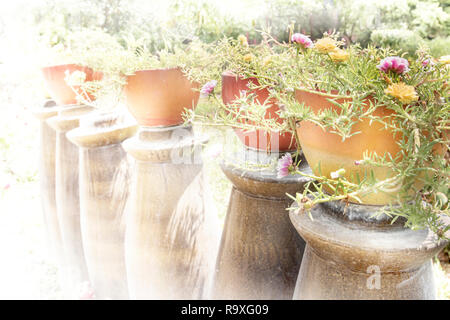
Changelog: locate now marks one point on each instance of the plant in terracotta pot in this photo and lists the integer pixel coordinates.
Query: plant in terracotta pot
(63, 93)
(157, 86)
(71, 75)
(374, 128)
(247, 75)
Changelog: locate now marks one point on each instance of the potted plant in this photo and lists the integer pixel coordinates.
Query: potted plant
(158, 96)
(55, 77)
(246, 75)
(256, 224)
(156, 86)
(72, 73)
(374, 128)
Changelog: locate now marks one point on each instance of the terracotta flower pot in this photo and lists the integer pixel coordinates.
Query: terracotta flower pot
(331, 153)
(158, 97)
(257, 139)
(59, 90)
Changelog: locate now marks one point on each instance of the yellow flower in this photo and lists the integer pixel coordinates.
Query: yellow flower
(267, 61)
(403, 92)
(243, 40)
(326, 45)
(248, 57)
(339, 55)
(445, 59)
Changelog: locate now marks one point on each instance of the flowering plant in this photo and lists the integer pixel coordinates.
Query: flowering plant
(358, 82)
(414, 92)
(262, 66)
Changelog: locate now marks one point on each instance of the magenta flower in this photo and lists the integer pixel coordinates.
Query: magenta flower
(215, 151)
(395, 64)
(208, 88)
(86, 291)
(428, 63)
(303, 40)
(285, 165)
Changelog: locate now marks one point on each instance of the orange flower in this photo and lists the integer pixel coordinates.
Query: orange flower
(403, 92)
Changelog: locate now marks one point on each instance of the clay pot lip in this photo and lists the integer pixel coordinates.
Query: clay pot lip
(99, 73)
(231, 74)
(143, 71)
(56, 66)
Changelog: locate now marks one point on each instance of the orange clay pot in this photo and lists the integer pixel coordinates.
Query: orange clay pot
(158, 97)
(258, 139)
(59, 90)
(327, 149)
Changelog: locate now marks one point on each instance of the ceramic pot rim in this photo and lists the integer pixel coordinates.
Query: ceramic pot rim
(153, 70)
(62, 65)
(231, 74)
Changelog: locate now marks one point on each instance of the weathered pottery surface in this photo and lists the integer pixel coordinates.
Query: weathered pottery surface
(67, 197)
(47, 141)
(260, 251)
(158, 97)
(104, 185)
(171, 234)
(352, 254)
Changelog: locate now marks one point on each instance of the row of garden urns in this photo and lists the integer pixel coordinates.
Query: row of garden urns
(129, 213)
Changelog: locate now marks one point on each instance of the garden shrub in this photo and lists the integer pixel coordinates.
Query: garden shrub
(403, 39)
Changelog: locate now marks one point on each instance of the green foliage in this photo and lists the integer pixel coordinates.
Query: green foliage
(405, 25)
(403, 39)
(401, 24)
(203, 20)
(439, 46)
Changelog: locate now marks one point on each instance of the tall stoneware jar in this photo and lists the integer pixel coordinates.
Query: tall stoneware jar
(104, 187)
(47, 151)
(171, 234)
(260, 251)
(67, 197)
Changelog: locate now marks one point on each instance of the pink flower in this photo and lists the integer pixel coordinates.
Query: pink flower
(7, 186)
(395, 64)
(285, 165)
(303, 40)
(86, 291)
(215, 151)
(428, 63)
(208, 88)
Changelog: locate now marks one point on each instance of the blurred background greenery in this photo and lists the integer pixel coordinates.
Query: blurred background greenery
(401, 24)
